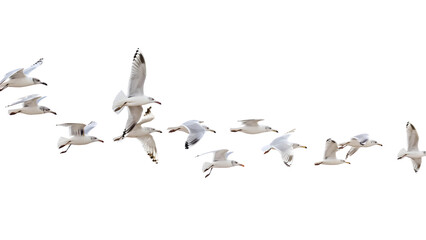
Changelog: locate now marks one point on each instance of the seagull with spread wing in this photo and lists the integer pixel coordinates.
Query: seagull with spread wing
(143, 134)
(357, 142)
(251, 126)
(136, 97)
(194, 129)
(19, 77)
(330, 154)
(78, 132)
(413, 148)
(30, 106)
(282, 145)
(220, 160)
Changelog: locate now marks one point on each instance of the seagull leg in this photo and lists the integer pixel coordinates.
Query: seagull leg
(66, 149)
(13, 113)
(211, 168)
(118, 108)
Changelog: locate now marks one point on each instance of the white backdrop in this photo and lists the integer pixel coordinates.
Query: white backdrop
(327, 68)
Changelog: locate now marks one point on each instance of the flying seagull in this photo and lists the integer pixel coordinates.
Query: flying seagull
(357, 142)
(220, 160)
(30, 106)
(413, 149)
(251, 126)
(194, 129)
(19, 77)
(282, 145)
(330, 154)
(136, 97)
(143, 134)
(79, 132)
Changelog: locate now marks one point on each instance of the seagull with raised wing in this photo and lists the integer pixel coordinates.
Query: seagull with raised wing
(330, 154)
(136, 97)
(143, 134)
(30, 106)
(357, 142)
(413, 148)
(220, 160)
(194, 129)
(282, 145)
(78, 132)
(251, 126)
(19, 77)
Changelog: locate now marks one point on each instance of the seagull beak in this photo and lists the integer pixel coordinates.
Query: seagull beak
(381, 145)
(275, 130)
(157, 102)
(53, 112)
(211, 130)
(304, 147)
(158, 131)
(242, 165)
(43, 83)
(100, 140)
(348, 162)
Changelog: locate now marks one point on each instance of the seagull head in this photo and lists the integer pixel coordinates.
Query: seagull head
(152, 100)
(296, 145)
(269, 129)
(95, 139)
(373, 142)
(46, 110)
(151, 130)
(208, 129)
(37, 81)
(235, 163)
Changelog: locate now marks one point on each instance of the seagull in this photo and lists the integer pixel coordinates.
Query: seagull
(30, 106)
(143, 134)
(330, 154)
(19, 77)
(358, 141)
(136, 97)
(251, 126)
(78, 132)
(413, 149)
(285, 147)
(194, 129)
(220, 160)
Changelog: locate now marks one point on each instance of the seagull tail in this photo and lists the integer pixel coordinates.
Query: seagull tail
(117, 106)
(62, 141)
(206, 166)
(402, 153)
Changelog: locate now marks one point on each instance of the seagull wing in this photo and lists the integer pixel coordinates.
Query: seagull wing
(280, 140)
(352, 151)
(416, 163)
(221, 155)
(135, 113)
(76, 129)
(12, 73)
(286, 153)
(147, 117)
(138, 75)
(89, 127)
(412, 138)
(28, 98)
(34, 66)
(148, 144)
(250, 122)
(196, 132)
(362, 138)
(330, 149)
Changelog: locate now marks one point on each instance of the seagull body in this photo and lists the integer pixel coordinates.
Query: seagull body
(143, 134)
(78, 132)
(30, 106)
(357, 142)
(19, 77)
(136, 97)
(413, 149)
(220, 160)
(194, 129)
(285, 148)
(251, 126)
(330, 154)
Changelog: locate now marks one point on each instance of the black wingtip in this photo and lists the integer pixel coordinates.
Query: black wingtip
(186, 145)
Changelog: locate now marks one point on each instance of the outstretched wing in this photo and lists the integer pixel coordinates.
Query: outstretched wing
(196, 132)
(330, 149)
(221, 155)
(362, 138)
(416, 163)
(412, 138)
(29, 98)
(138, 75)
(135, 113)
(148, 144)
(12, 73)
(250, 122)
(89, 127)
(76, 129)
(34, 66)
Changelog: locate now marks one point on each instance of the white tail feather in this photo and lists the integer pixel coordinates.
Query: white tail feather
(206, 166)
(62, 141)
(401, 153)
(118, 102)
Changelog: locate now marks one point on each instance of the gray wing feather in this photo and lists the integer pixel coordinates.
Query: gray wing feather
(149, 146)
(89, 127)
(330, 149)
(196, 132)
(76, 129)
(135, 113)
(416, 163)
(34, 66)
(221, 155)
(352, 151)
(138, 75)
(10, 74)
(250, 122)
(362, 138)
(412, 138)
(25, 99)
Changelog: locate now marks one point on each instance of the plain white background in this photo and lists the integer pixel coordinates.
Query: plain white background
(327, 68)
